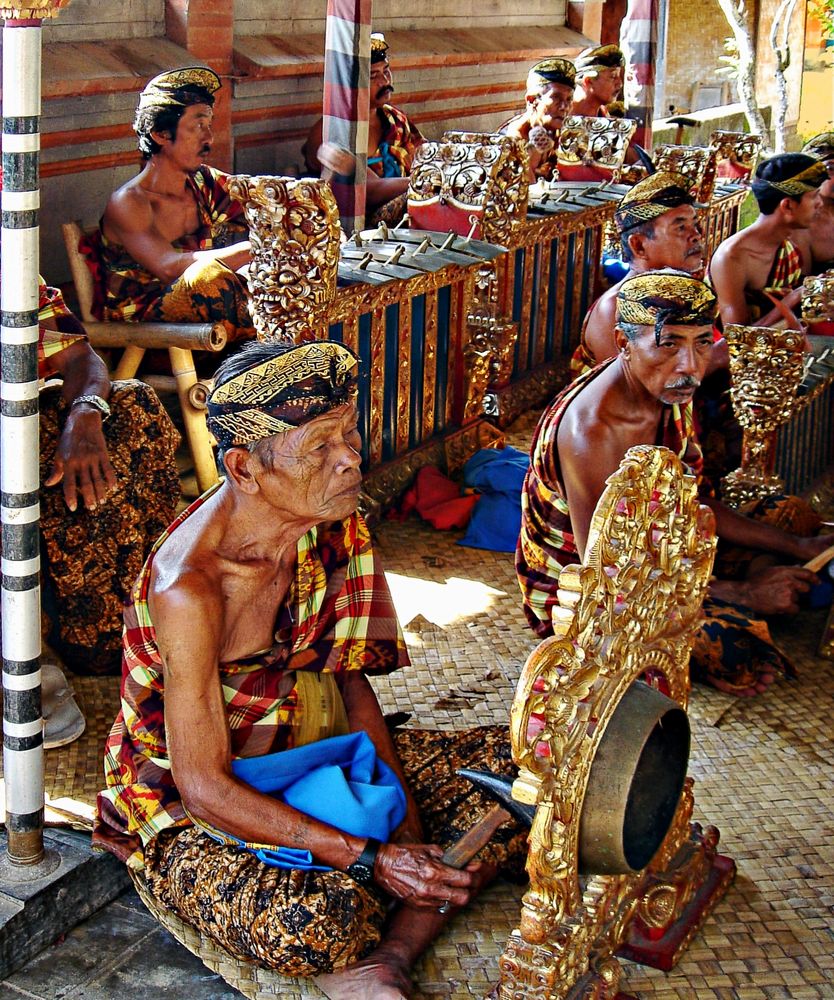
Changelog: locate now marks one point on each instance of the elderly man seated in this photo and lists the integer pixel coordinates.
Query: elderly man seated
(599, 78)
(664, 339)
(758, 272)
(171, 239)
(110, 449)
(548, 99)
(277, 570)
(392, 142)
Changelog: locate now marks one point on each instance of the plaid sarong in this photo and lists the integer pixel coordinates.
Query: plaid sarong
(394, 154)
(546, 542)
(337, 616)
(51, 306)
(124, 290)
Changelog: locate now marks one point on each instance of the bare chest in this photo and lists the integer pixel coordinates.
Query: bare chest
(174, 216)
(250, 609)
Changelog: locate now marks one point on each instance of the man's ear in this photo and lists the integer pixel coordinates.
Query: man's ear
(240, 464)
(620, 339)
(161, 138)
(637, 244)
(532, 99)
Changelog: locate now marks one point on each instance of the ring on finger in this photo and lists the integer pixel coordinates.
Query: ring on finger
(444, 907)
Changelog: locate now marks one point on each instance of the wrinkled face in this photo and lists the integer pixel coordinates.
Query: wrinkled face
(605, 86)
(382, 84)
(192, 143)
(671, 369)
(311, 473)
(678, 241)
(550, 107)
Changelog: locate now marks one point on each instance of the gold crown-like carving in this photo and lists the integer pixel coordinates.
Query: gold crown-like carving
(595, 142)
(696, 163)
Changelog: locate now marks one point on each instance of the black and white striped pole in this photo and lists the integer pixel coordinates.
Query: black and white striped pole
(19, 465)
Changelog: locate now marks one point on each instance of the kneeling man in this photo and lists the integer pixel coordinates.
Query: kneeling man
(664, 339)
(250, 633)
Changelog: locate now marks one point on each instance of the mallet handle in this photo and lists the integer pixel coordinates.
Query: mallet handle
(464, 849)
(817, 563)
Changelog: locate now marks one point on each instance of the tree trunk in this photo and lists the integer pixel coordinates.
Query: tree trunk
(782, 19)
(736, 14)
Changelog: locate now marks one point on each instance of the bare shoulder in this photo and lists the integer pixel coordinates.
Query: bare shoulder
(599, 325)
(732, 250)
(129, 208)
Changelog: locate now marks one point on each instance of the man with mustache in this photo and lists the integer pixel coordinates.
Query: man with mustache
(664, 340)
(599, 78)
(392, 143)
(171, 240)
(547, 102)
(658, 227)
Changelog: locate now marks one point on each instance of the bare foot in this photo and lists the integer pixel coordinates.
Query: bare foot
(370, 979)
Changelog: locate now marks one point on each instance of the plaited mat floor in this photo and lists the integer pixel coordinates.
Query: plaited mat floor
(762, 769)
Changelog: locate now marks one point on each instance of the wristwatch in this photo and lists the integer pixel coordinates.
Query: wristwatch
(362, 869)
(98, 402)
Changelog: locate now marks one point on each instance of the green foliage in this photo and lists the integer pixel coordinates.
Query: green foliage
(823, 11)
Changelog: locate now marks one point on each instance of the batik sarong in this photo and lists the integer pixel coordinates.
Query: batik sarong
(303, 923)
(92, 557)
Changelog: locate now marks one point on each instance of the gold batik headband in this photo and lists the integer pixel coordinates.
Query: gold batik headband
(652, 197)
(806, 180)
(552, 70)
(656, 298)
(601, 57)
(821, 146)
(379, 47)
(281, 393)
(165, 89)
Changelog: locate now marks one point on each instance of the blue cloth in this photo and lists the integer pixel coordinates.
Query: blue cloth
(498, 475)
(339, 781)
(390, 164)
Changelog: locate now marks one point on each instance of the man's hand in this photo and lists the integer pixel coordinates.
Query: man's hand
(773, 591)
(414, 874)
(808, 547)
(81, 460)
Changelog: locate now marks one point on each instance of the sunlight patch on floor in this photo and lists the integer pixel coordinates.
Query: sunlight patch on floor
(441, 603)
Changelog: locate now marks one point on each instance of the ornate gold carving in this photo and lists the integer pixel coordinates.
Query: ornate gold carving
(736, 154)
(488, 353)
(818, 298)
(633, 606)
(696, 163)
(470, 178)
(598, 143)
(33, 10)
(294, 231)
(766, 368)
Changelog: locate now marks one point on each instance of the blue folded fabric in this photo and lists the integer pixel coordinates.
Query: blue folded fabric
(339, 781)
(498, 475)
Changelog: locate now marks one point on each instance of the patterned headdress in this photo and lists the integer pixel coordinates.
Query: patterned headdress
(602, 57)
(168, 89)
(808, 178)
(651, 198)
(821, 146)
(281, 393)
(379, 47)
(551, 70)
(656, 298)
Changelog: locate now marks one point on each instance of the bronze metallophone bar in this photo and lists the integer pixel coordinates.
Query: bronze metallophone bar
(805, 444)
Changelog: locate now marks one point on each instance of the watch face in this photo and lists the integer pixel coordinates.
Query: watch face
(360, 873)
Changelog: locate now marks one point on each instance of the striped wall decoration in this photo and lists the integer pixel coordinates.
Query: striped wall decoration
(347, 60)
(19, 466)
(638, 40)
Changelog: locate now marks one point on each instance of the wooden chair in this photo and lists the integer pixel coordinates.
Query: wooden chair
(179, 339)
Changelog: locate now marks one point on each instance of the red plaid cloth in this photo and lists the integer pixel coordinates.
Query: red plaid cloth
(546, 542)
(51, 306)
(123, 289)
(338, 615)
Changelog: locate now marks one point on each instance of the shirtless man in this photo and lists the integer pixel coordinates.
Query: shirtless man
(171, 240)
(548, 98)
(817, 243)
(664, 339)
(277, 560)
(599, 78)
(757, 273)
(392, 138)
(658, 227)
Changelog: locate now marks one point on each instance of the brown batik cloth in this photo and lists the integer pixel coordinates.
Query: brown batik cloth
(303, 923)
(93, 557)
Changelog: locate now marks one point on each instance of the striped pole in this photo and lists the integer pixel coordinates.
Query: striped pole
(347, 64)
(19, 466)
(638, 40)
